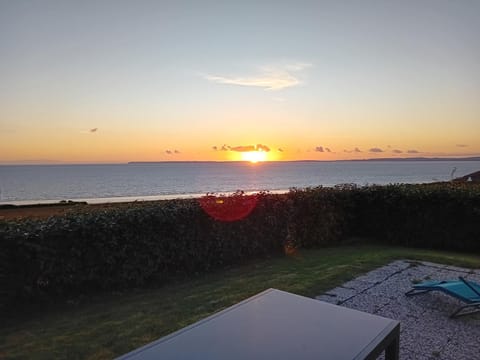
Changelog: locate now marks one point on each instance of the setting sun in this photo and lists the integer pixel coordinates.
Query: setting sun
(254, 156)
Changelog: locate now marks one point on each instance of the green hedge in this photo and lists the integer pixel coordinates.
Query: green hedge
(145, 244)
(440, 216)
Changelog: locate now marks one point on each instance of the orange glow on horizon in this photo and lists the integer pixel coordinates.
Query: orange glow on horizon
(254, 156)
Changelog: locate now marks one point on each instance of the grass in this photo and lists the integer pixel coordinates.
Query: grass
(110, 325)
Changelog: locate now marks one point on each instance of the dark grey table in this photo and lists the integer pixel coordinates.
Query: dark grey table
(278, 325)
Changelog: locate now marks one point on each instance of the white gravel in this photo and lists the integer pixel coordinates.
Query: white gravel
(426, 329)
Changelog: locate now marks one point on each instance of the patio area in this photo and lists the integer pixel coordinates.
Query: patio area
(427, 331)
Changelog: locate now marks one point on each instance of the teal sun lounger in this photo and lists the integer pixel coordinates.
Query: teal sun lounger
(466, 291)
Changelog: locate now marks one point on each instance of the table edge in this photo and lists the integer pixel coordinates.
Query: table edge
(375, 347)
(191, 326)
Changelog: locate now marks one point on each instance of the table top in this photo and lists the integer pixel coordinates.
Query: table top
(274, 325)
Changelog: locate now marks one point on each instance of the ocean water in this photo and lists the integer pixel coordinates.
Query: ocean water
(23, 184)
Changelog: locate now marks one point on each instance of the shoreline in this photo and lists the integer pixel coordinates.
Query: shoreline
(42, 209)
(126, 199)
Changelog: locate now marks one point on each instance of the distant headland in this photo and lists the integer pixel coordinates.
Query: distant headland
(473, 178)
(472, 158)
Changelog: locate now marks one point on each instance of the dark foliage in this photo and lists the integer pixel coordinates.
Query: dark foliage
(438, 216)
(145, 244)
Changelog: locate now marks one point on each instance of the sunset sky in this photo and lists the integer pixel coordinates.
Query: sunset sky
(118, 81)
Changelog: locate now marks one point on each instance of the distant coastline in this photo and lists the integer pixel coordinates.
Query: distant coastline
(471, 158)
(61, 163)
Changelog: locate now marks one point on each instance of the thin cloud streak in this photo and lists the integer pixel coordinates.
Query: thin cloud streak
(89, 131)
(267, 82)
(242, 148)
(247, 148)
(270, 78)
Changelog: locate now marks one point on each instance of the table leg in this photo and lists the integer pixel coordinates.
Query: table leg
(392, 352)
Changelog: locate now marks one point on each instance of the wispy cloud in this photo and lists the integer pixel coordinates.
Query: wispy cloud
(413, 151)
(224, 147)
(89, 131)
(375, 150)
(322, 149)
(171, 152)
(268, 78)
(243, 148)
(461, 145)
(297, 66)
(397, 151)
(261, 147)
(355, 150)
(246, 148)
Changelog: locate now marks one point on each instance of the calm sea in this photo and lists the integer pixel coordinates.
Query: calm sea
(126, 182)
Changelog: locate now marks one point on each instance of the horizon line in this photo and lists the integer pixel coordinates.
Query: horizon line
(58, 162)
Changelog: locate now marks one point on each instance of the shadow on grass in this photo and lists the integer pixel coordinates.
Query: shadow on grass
(106, 326)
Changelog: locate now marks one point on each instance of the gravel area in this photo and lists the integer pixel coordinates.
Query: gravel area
(426, 329)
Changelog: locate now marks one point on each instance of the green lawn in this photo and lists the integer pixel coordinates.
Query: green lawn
(111, 325)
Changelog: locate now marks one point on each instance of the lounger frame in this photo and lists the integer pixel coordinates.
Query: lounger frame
(471, 308)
